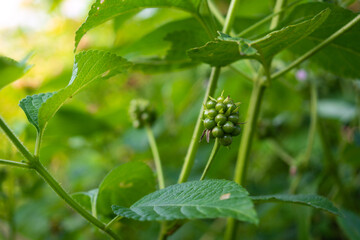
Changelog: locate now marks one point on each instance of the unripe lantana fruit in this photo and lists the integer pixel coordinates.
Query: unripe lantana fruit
(141, 113)
(221, 119)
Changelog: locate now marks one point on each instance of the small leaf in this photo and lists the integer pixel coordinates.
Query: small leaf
(87, 200)
(104, 10)
(314, 201)
(88, 67)
(193, 200)
(227, 49)
(125, 185)
(11, 70)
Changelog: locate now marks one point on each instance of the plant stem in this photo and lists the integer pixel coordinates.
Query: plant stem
(211, 158)
(49, 179)
(277, 9)
(15, 164)
(215, 73)
(15, 140)
(317, 48)
(156, 155)
(194, 144)
(114, 220)
(267, 18)
(38, 145)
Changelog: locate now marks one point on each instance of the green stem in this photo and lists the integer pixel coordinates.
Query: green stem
(38, 145)
(211, 158)
(215, 73)
(156, 154)
(313, 123)
(317, 48)
(15, 140)
(41, 170)
(267, 18)
(15, 164)
(277, 9)
(113, 221)
(194, 144)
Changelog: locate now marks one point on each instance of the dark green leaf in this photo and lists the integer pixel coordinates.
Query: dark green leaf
(88, 67)
(104, 10)
(350, 224)
(11, 70)
(226, 49)
(314, 201)
(342, 54)
(191, 200)
(125, 185)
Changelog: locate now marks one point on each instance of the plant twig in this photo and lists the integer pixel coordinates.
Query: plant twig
(156, 155)
(14, 164)
(211, 158)
(316, 48)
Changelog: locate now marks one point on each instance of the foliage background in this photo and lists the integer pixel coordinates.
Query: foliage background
(92, 134)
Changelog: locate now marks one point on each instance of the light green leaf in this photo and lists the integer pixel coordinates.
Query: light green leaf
(226, 49)
(125, 185)
(88, 67)
(104, 10)
(350, 224)
(341, 55)
(11, 70)
(87, 200)
(337, 109)
(193, 200)
(314, 201)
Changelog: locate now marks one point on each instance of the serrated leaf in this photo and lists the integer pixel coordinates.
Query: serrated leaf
(342, 54)
(314, 201)
(88, 67)
(11, 70)
(193, 200)
(87, 200)
(104, 10)
(227, 49)
(125, 185)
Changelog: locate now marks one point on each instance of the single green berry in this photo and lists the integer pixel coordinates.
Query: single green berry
(220, 99)
(236, 131)
(231, 106)
(217, 132)
(234, 118)
(209, 123)
(210, 104)
(226, 140)
(220, 119)
(211, 113)
(228, 127)
(220, 107)
(228, 100)
(205, 115)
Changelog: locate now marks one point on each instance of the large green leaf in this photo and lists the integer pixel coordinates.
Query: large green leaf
(342, 55)
(191, 200)
(226, 49)
(125, 185)
(314, 201)
(104, 10)
(88, 67)
(11, 70)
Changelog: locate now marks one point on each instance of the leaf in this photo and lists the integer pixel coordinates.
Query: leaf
(193, 200)
(341, 55)
(87, 200)
(314, 201)
(337, 109)
(225, 49)
(104, 10)
(88, 67)
(349, 224)
(11, 70)
(125, 185)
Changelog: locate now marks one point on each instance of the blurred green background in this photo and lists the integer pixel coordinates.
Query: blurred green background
(92, 133)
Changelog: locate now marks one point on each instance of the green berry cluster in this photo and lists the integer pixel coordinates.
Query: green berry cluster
(221, 119)
(141, 113)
